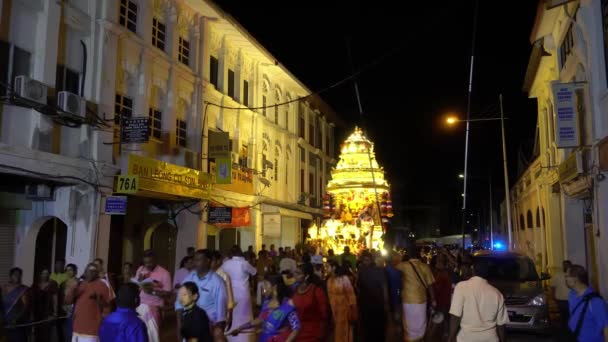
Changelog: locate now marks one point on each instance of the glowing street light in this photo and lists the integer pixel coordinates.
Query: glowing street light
(451, 120)
(461, 176)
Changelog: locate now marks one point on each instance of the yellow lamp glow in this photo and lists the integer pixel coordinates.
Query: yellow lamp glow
(451, 120)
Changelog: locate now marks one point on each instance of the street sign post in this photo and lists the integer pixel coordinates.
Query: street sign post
(135, 130)
(116, 205)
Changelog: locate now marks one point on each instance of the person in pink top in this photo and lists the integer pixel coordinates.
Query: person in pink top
(155, 283)
(186, 266)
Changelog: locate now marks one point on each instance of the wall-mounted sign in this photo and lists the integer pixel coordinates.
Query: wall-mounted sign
(228, 217)
(170, 179)
(135, 130)
(242, 180)
(219, 145)
(219, 215)
(223, 171)
(566, 115)
(571, 167)
(127, 184)
(116, 205)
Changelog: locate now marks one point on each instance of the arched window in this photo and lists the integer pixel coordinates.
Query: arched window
(522, 223)
(530, 219)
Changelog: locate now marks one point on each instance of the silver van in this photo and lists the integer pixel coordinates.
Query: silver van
(515, 276)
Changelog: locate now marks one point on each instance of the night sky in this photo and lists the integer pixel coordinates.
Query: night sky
(423, 76)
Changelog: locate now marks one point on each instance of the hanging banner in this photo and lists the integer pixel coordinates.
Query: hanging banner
(272, 225)
(223, 171)
(566, 115)
(228, 217)
(219, 145)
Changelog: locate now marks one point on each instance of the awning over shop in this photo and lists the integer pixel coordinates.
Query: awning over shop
(295, 213)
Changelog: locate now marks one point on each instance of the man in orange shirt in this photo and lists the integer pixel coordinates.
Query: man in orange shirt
(91, 303)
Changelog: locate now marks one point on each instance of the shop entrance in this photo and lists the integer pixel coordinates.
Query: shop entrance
(50, 245)
(228, 238)
(162, 239)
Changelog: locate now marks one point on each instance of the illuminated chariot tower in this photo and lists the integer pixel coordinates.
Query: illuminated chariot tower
(357, 202)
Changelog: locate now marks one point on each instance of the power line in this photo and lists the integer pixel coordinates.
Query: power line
(346, 79)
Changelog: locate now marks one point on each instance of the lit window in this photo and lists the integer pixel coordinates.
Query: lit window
(184, 51)
(155, 122)
(122, 106)
(180, 133)
(158, 34)
(128, 15)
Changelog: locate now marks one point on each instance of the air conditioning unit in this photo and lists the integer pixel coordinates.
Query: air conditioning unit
(39, 192)
(30, 89)
(71, 103)
(234, 156)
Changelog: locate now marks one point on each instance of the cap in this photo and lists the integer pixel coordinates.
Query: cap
(316, 260)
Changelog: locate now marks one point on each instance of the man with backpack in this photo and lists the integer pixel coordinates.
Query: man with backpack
(588, 311)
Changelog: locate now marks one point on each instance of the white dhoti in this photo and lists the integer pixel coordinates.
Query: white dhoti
(143, 310)
(414, 321)
(84, 338)
(241, 314)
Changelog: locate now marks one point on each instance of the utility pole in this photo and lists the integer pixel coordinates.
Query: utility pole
(506, 174)
(466, 139)
(491, 218)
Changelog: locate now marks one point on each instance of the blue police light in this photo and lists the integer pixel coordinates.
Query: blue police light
(498, 245)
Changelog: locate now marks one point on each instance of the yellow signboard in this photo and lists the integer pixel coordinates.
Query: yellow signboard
(127, 184)
(158, 176)
(570, 168)
(242, 180)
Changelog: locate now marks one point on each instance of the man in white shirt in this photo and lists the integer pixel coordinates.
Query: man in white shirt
(478, 312)
(560, 290)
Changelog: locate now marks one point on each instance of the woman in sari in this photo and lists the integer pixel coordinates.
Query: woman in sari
(16, 306)
(343, 302)
(44, 295)
(278, 318)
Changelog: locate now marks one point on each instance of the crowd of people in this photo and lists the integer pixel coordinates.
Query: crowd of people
(280, 295)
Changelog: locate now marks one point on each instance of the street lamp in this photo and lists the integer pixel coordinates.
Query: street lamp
(461, 176)
(451, 120)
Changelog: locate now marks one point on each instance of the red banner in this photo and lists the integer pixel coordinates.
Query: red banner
(241, 217)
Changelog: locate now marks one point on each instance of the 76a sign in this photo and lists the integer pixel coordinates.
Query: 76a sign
(127, 184)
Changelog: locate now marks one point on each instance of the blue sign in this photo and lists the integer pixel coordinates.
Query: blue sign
(116, 205)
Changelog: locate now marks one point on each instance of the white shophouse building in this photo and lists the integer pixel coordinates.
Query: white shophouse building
(188, 67)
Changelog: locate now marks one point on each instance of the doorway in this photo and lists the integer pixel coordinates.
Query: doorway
(228, 238)
(51, 242)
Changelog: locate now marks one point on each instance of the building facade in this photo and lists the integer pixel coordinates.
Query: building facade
(567, 180)
(188, 70)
